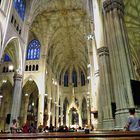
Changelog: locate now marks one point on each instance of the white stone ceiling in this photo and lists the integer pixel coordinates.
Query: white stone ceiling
(132, 19)
(61, 27)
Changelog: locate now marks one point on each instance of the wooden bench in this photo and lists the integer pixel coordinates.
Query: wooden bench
(95, 134)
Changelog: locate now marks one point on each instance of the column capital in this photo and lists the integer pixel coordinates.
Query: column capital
(17, 77)
(109, 5)
(103, 51)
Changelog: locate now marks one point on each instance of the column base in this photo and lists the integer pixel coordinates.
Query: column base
(108, 124)
(121, 118)
(99, 126)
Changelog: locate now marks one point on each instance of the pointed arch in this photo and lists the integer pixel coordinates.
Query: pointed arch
(13, 48)
(32, 104)
(33, 50)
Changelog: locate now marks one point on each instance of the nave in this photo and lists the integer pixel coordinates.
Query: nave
(73, 63)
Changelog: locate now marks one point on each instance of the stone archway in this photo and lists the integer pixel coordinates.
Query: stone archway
(5, 104)
(29, 107)
(13, 49)
(73, 117)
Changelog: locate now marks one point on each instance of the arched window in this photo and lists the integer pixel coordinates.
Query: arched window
(74, 78)
(66, 79)
(33, 51)
(82, 79)
(20, 7)
(7, 58)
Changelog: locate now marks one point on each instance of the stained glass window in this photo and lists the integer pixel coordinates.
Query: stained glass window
(20, 7)
(7, 58)
(74, 78)
(82, 79)
(66, 79)
(33, 50)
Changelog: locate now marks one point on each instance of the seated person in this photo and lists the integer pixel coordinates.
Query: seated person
(14, 126)
(25, 128)
(133, 123)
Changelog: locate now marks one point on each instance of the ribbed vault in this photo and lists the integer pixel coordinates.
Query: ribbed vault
(61, 28)
(132, 19)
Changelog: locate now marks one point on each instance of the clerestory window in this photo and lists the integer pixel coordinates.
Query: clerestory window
(66, 79)
(20, 7)
(33, 50)
(74, 78)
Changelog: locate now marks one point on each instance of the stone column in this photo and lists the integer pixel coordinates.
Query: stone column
(61, 116)
(57, 115)
(49, 111)
(24, 110)
(80, 117)
(49, 89)
(67, 117)
(94, 74)
(57, 106)
(17, 94)
(98, 42)
(105, 82)
(40, 110)
(88, 115)
(41, 96)
(121, 67)
(53, 114)
(53, 102)
(61, 110)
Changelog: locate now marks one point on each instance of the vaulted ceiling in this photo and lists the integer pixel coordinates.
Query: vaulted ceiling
(132, 20)
(61, 27)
